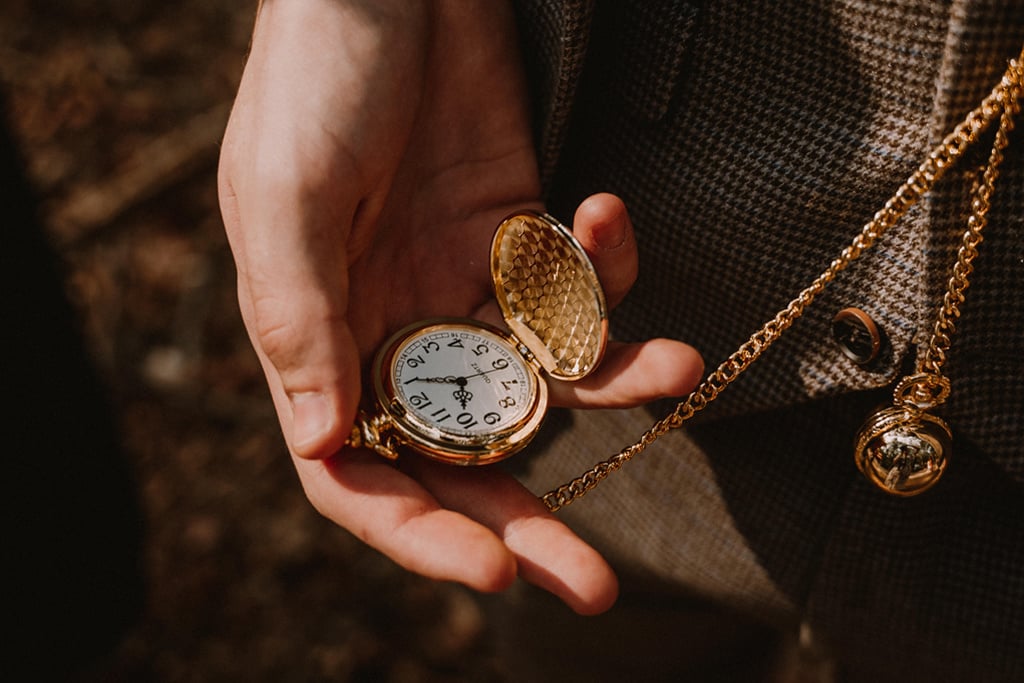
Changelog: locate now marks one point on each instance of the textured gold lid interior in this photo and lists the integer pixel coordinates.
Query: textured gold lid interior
(549, 294)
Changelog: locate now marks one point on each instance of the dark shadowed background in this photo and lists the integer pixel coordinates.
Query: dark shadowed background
(118, 107)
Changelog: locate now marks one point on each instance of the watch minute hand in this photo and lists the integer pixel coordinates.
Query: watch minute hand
(483, 372)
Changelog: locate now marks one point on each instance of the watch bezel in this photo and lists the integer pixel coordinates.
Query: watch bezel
(444, 445)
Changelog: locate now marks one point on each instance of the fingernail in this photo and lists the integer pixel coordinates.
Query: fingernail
(311, 419)
(610, 235)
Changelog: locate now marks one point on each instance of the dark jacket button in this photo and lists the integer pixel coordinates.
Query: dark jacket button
(859, 338)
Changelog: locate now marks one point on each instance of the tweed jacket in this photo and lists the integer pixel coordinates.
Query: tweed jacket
(751, 142)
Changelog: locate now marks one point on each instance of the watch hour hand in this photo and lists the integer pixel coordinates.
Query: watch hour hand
(450, 379)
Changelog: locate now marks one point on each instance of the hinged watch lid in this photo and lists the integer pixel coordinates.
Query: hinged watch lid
(549, 294)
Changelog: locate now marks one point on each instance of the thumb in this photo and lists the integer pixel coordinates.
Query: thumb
(293, 296)
(310, 360)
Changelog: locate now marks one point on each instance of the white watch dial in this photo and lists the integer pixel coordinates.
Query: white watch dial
(462, 380)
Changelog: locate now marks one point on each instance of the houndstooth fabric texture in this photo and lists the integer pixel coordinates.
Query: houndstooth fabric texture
(751, 141)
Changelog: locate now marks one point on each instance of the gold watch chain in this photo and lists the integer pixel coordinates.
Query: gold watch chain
(1002, 103)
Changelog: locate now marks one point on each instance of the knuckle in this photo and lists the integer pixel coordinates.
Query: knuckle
(276, 328)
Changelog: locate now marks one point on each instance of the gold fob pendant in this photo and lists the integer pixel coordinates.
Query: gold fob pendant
(463, 392)
(903, 449)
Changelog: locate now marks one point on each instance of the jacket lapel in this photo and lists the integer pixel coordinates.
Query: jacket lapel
(554, 38)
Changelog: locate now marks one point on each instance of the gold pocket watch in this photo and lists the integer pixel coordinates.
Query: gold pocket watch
(467, 393)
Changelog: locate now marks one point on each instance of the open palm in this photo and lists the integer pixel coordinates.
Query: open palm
(373, 148)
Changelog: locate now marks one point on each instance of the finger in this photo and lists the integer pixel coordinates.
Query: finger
(292, 290)
(289, 201)
(634, 374)
(391, 512)
(314, 380)
(602, 226)
(548, 553)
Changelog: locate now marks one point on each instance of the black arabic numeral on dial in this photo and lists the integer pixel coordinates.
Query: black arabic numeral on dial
(420, 400)
(466, 420)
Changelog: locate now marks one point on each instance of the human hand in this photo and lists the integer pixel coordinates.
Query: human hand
(372, 149)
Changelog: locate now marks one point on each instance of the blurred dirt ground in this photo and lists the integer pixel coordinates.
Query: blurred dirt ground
(119, 107)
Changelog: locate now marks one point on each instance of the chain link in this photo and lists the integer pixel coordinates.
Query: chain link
(945, 324)
(1001, 103)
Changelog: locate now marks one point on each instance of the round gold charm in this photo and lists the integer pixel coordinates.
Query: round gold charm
(903, 450)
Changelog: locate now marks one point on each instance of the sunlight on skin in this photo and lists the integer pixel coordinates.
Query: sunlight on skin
(364, 204)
